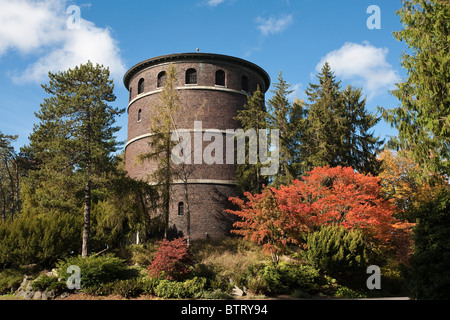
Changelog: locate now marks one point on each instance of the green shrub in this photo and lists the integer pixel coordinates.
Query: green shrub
(169, 289)
(149, 285)
(282, 278)
(338, 252)
(129, 288)
(44, 282)
(344, 292)
(192, 288)
(103, 289)
(41, 239)
(10, 280)
(95, 270)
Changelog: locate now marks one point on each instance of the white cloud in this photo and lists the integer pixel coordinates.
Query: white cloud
(365, 64)
(39, 28)
(214, 3)
(272, 25)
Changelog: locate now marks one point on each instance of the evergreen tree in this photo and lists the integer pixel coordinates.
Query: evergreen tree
(9, 177)
(324, 124)
(423, 120)
(287, 118)
(252, 116)
(429, 275)
(73, 144)
(336, 129)
(360, 147)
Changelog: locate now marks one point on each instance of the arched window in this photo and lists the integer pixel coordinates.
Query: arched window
(141, 86)
(191, 76)
(162, 77)
(180, 208)
(139, 115)
(220, 78)
(131, 92)
(244, 83)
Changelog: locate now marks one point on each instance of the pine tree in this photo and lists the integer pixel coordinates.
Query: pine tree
(287, 118)
(9, 177)
(72, 145)
(422, 120)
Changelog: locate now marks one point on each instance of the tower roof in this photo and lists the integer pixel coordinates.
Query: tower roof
(196, 57)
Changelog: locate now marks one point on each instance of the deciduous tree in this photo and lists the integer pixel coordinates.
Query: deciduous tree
(325, 196)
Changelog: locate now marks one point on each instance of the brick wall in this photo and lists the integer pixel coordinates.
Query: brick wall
(216, 107)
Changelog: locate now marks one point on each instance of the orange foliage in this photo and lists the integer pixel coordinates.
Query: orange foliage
(400, 181)
(325, 196)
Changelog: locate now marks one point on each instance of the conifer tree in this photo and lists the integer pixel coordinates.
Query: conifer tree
(422, 120)
(360, 146)
(287, 117)
(324, 123)
(9, 177)
(72, 145)
(336, 131)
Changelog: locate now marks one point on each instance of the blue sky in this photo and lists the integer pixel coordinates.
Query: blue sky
(292, 36)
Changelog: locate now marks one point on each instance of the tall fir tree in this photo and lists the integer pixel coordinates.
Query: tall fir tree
(72, 147)
(336, 131)
(422, 120)
(287, 117)
(324, 124)
(360, 145)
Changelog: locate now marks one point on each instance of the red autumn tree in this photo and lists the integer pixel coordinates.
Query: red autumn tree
(172, 260)
(325, 196)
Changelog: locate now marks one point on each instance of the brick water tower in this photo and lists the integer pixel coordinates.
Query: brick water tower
(212, 88)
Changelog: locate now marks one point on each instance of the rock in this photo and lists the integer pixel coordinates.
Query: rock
(37, 295)
(29, 294)
(50, 294)
(64, 295)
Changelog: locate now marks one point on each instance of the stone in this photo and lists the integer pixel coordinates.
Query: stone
(37, 295)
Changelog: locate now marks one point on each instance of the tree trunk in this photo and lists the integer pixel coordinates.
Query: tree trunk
(168, 184)
(188, 212)
(86, 219)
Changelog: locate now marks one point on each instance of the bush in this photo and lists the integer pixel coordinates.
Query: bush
(192, 288)
(50, 283)
(10, 280)
(95, 270)
(339, 252)
(41, 239)
(173, 260)
(283, 278)
(129, 288)
(344, 292)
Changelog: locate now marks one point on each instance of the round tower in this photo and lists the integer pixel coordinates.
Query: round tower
(211, 89)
